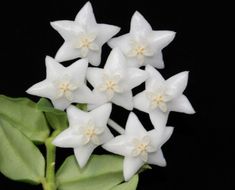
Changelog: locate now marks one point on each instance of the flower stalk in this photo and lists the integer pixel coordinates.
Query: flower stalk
(49, 182)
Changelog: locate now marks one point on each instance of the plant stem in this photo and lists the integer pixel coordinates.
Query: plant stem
(49, 182)
(115, 126)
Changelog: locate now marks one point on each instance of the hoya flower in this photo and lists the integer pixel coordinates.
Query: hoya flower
(115, 81)
(83, 37)
(64, 85)
(139, 146)
(142, 45)
(162, 96)
(86, 131)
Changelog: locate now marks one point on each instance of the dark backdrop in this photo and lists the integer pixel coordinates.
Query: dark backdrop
(199, 154)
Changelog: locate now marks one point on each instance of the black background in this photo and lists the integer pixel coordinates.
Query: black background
(200, 152)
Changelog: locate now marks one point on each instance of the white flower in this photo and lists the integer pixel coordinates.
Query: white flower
(64, 85)
(83, 37)
(162, 96)
(139, 146)
(86, 131)
(143, 45)
(115, 81)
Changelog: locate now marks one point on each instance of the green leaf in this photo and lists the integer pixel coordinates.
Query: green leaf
(20, 159)
(24, 115)
(56, 118)
(129, 185)
(101, 172)
(82, 106)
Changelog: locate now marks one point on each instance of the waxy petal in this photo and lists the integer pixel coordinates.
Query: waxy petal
(157, 158)
(85, 16)
(101, 114)
(67, 52)
(177, 84)
(141, 102)
(124, 100)
(139, 25)
(158, 118)
(181, 104)
(122, 42)
(53, 68)
(162, 38)
(134, 127)
(106, 32)
(67, 29)
(43, 89)
(83, 153)
(130, 166)
(61, 103)
(67, 139)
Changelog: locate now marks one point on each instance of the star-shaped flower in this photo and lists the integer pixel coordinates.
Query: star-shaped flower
(115, 81)
(139, 146)
(64, 85)
(86, 131)
(83, 37)
(162, 96)
(143, 45)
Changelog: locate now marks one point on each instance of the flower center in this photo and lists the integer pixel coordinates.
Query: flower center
(86, 42)
(91, 133)
(110, 85)
(65, 89)
(140, 51)
(142, 147)
(158, 100)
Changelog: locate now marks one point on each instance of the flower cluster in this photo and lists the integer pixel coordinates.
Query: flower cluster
(83, 38)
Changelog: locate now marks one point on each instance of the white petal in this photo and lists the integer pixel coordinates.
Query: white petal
(101, 114)
(158, 118)
(161, 39)
(84, 95)
(85, 16)
(156, 60)
(67, 29)
(83, 154)
(139, 25)
(106, 32)
(118, 145)
(141, 102)
(83, 52)
(156, 136)
(43, 89)
(166, 135)
(76, 116)
(61, 103)
(181, 104)
(95, 76)
(68, 139)
(122, 42)
(124, 100)
(78, 70)
(115, 62)
(155, 78)
(134, 78)
(177, 84)
(157, 158)
(130, 166)
(94, 57)
(134, 127)
(106, 136)
(53, 68)
(67, 52)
